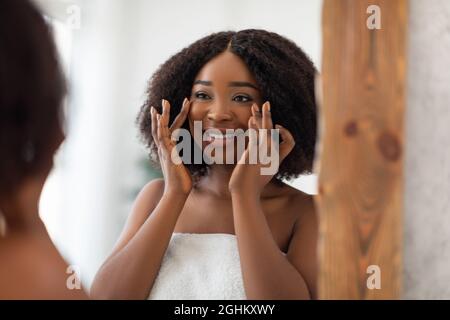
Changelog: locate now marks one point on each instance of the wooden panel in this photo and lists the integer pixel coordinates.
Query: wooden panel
(360, 149)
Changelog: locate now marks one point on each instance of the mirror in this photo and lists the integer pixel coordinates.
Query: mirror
(110, 49)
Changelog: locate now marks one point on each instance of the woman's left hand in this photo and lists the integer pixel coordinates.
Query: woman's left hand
(247, 177)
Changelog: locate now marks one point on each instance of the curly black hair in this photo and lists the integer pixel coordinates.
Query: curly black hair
(284, 73)
(32, 88)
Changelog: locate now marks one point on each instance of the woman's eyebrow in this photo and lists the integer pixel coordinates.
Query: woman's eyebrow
(230, 84)
(203, 82)
(242, 84)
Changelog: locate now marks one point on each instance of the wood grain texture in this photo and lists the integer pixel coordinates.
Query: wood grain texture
(360, 149)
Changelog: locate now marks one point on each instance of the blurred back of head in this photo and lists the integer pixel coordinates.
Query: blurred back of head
(32, 89)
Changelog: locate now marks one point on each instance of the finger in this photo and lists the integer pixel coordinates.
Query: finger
(181, 117)
(257, 115)
(252, 123)
(266, 116)
(160, 131)
(159, 128)
(154, 125)
(253, 131)
(288, 142)
(164, 132)
(165, 117)
(165, 112)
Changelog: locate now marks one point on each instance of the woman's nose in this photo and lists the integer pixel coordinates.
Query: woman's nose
(220, 111)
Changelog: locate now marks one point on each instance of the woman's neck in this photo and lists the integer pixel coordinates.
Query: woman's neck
(216, 180)
(20, 210)
(218, 176)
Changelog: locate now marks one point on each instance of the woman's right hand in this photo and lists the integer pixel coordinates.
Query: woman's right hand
(177, 178)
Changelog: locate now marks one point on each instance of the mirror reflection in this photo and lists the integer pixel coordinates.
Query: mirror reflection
(234, 81)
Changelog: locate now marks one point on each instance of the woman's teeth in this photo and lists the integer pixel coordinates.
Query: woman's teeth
(222, 136)
(214, 136)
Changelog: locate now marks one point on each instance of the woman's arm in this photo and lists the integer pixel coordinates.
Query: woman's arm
(267, 272)
(131, 269)
(129, 273)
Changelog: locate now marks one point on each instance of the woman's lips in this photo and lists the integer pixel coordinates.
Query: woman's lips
(210, 136)
(221, 136)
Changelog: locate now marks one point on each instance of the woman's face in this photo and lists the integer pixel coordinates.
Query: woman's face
(222, 95)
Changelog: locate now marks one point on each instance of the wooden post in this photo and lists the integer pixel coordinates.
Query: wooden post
(361, 150)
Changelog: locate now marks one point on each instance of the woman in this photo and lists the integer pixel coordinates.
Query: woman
(31, 94)
(223, 231)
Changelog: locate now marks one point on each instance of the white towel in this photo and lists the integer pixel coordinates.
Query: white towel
(200, 266)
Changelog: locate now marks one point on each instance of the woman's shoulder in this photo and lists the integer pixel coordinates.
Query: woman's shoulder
(152, 191)
(154, 186)
(302, 203)
(295, 195)
(32, 268)
(302, 250)
(147, 199)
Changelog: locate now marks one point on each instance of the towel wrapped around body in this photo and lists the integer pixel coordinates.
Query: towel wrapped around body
(200, 266)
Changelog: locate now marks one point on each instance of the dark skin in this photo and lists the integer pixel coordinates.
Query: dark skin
(268, 219)
(30, 265)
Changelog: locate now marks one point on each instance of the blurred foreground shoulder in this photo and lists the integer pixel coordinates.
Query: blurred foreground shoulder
(32, 268)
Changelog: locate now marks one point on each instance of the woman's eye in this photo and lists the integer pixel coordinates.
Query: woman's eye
(242, 98)
(202, 96)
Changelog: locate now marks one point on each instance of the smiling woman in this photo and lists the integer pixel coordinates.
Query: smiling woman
(270, 68)
(223, 231)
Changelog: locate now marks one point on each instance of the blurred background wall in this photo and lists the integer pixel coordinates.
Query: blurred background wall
(109, 58)
(427, 171)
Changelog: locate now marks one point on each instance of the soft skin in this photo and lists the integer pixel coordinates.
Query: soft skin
(30, 265)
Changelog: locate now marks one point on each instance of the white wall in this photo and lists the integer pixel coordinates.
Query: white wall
(120, 44)
(427, 174)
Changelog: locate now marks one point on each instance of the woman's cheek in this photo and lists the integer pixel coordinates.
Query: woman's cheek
(243, 117)
(196, 112)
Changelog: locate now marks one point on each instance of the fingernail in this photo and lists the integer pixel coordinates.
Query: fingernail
(185, 101)
(268, 106)
(163, 101)
(278, 126)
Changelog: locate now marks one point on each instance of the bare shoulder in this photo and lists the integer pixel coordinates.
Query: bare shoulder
(32, 268)
(303, 245)
(152, 191)
(302, 203)
(147, 199)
